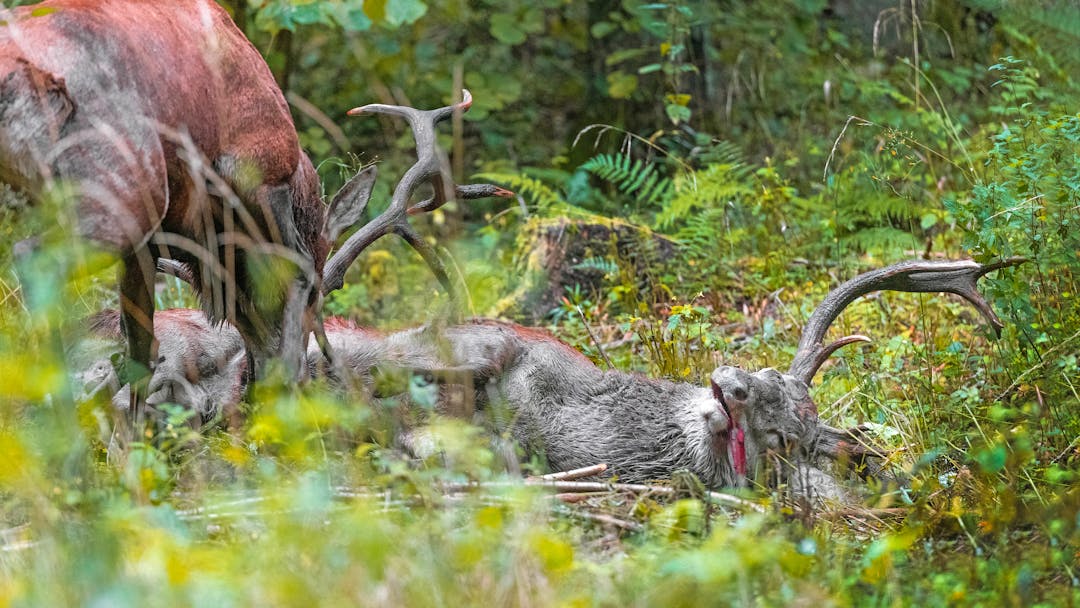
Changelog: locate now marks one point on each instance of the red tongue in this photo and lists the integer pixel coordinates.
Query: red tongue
(738, 451)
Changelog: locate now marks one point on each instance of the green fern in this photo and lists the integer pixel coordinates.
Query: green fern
(633, 177)
(871, 209)
(721, 152)
(715, 186)
(884, 241)
(603, 265)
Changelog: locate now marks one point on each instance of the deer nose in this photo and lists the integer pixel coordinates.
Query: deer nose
(716, 420)
(163, 393)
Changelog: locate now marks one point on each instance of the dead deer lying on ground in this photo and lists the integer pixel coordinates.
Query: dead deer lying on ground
(559, 405)
(171, 131)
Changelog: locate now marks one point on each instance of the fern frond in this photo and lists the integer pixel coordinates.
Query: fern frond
(884, 241)
(885, 208)
(632, 177)
(717, 185)
(722, 152)
(604, 265)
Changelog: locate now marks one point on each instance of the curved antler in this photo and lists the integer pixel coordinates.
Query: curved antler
(952, 276)
(431, 167)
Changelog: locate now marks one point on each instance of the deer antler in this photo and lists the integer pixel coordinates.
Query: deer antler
(431, 167)
(957, 277)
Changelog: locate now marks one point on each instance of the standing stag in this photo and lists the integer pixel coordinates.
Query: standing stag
(171, 139)
(201, 367)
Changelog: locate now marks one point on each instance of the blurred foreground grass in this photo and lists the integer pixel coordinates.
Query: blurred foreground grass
(306, 502)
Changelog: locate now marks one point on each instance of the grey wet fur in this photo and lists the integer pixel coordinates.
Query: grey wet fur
(561, 407)
(201, 366)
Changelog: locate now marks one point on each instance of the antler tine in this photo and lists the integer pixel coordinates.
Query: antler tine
(953, 276)
(431, 166)
(462, 193)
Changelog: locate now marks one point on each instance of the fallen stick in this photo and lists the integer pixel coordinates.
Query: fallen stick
(599, 486)
(572, 474)
(601, 518)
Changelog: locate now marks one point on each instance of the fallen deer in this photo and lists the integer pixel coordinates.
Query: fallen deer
(170, 131)
(202, 367)
(557, 404)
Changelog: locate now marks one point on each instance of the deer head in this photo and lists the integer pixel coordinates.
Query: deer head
(775, 411)
(202, 366)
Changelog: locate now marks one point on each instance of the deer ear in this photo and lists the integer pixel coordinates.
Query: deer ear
(49, 90)
(54, 92)
(349, 203)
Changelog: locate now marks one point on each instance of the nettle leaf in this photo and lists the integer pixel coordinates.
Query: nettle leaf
(404, 12)
(621, 85)
(677, 113)
(506, 30)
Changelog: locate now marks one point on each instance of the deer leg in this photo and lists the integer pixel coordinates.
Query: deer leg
(137, 320)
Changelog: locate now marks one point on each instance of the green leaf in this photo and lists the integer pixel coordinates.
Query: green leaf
(993, 459)
(928, 220)
(351, 17)
(677, 113)
(620, 56)
(648, 69)
(602, 28)
(308, 14)
(274, 17)
(403, 12)
(506, 30)
(621, 85)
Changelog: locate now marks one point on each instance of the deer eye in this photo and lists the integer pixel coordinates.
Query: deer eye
(207, 365)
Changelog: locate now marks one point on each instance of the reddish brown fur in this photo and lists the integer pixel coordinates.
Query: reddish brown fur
(341, 324)
(106, 324)
(534, 335)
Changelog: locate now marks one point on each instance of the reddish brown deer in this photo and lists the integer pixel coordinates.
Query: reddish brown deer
(176, 142)
(188, 342)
